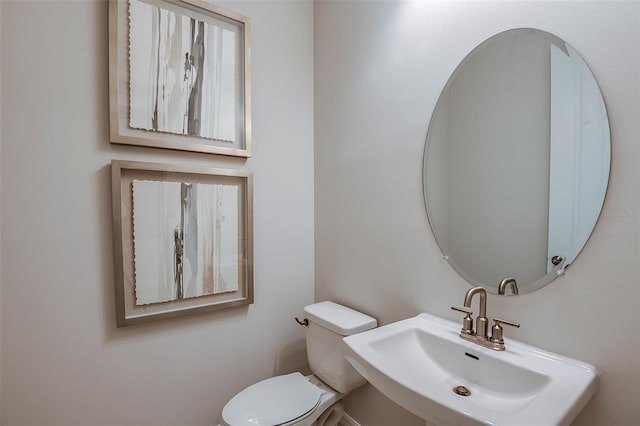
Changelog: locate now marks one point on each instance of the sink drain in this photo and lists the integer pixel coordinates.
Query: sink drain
(462, 391)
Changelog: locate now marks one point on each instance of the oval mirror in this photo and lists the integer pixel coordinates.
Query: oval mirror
(516, 161)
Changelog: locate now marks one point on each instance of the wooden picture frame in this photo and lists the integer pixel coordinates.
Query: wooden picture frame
(179, 76)
(183, 240)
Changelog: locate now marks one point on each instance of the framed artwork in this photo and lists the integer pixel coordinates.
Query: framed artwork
(179, 76)
(183, 240)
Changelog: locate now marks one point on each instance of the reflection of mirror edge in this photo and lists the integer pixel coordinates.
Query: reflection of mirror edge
(560, 269)
(530, 287)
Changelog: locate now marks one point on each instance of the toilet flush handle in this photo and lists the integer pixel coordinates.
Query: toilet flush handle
(304, 322)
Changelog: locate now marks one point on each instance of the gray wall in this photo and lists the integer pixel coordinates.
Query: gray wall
(63, 360)
(379, 69)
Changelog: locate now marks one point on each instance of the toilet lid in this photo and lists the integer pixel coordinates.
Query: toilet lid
(273, 401)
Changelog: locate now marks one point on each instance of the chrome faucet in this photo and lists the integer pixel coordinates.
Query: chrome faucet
(480, 335)
(503, 286)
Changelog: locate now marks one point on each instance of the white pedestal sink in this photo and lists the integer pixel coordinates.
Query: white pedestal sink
(419, 362)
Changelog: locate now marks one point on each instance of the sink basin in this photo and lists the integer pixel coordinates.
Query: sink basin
(419, 362)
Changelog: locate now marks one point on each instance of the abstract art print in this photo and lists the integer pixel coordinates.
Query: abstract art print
(187, 83)
(183, 240)
(179, 76)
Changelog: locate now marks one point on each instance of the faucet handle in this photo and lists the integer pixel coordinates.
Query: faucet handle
(467, 321)
(463, 310)
(496, 330)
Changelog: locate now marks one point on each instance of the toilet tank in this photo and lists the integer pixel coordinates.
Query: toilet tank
(328, 323)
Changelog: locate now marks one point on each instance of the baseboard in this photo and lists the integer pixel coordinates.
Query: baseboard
(347, 420)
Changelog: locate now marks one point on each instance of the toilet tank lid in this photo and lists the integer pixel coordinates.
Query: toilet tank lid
(339, 319)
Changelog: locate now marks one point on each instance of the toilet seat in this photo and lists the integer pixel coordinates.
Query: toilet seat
(275, 401)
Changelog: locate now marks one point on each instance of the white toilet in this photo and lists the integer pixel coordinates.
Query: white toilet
(294, 399)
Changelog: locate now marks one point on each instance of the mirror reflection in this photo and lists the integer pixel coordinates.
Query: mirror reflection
(516, 161)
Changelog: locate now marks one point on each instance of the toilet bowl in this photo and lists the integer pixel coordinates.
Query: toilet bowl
(291, 399)
(294, 399)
